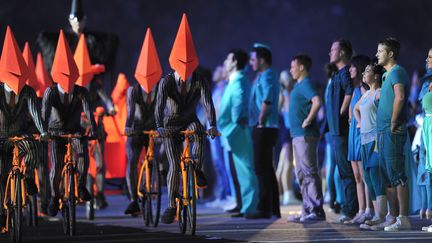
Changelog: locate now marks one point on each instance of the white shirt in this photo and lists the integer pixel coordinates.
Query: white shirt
(8, 94)
(62, 93)
(145, 94)
(179, 80)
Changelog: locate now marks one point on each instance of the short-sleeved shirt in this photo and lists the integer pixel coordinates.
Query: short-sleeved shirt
(265, 90)
(300, 106)
(397, 75)
(339, 87)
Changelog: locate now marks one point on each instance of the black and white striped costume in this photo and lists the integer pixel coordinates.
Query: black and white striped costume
(63, 119)
(178, 112)
(16, 122)
(140, 117)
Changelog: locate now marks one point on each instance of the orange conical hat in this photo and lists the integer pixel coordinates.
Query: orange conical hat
(13, 68)
(183, 58)
(148, 70)
(64, 71)
(82, 60)
(42, 75)
(32, 79)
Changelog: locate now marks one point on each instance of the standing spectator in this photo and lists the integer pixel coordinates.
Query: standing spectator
(337, 106)
(358, 65)
(392, 132)
(285, 167)
(263, 117)
(365, 113)
(233, 122)
(304, 106)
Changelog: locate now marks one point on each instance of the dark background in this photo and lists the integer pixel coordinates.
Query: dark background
(289, 27)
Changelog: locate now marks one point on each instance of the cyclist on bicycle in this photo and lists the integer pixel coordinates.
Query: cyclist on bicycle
(141, 101)
(61, 109)
(177, 100)
(18, 109)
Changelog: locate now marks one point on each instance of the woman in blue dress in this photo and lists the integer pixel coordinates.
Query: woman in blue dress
(358, 65)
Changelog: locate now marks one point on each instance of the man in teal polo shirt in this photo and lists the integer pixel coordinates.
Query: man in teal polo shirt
(304, 105)
(392, 132)
(263, 117)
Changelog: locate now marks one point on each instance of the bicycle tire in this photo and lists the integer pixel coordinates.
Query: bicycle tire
(72, 204)
(65, 214)
(182, 213)
(154, 197)
(144, 198)
(17, 211)
(11, 215)
(192, 198)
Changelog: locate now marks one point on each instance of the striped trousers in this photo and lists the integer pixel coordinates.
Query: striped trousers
(134, 146)
(173, 149)
(27, 150)
(58, 151)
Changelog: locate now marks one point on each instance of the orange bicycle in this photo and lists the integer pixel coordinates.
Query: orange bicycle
(188, 190)
(69, 186)
(16, 198)
(149, 184)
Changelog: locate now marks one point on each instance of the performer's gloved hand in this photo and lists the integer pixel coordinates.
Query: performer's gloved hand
(163, 132)
(213, 132)
(44, 137)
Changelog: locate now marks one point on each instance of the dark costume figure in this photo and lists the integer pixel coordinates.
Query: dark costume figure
(18, 108)
(102, 48)
(61, 108)
(177, 99)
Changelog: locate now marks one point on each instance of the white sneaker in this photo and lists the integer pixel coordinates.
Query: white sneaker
(402, 223)
(341, 219)
(426, 228)
(389, 220)
(214, 204)
(429, 229)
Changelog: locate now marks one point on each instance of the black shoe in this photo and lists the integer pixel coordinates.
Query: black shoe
(84, 194)
(101, 202)
(132, 208)
(337, 208)
(258, 215)
(53, 207)
(237, 215)
(200, 179)
(233, 210)
(30, 186)
(44, 209)
(277, 215)
(169, 215)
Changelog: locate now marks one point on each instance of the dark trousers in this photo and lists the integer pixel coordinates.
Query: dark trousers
(134, 146)
(42, 165)
(264, 140)
(340, 149)
(58, 152)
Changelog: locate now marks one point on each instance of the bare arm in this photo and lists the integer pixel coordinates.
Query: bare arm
(399, 99)
(316, 104)
(356, 111)
(345, 104)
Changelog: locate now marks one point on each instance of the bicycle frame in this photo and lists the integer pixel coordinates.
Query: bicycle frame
(17, 167)
(145, 166)
(69, 165)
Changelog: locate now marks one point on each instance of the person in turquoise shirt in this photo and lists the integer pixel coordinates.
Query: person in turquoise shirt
(233, 122)
(263, 110)
(304, 105)
(392, 133)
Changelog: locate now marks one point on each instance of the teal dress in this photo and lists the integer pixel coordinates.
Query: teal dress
(233, 123)
(427, 130)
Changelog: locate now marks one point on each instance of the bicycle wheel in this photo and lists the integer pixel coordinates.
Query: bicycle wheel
(182, 210)
(145, 197)
(154, 197)
(16, 212)
(71, 203)
(90, 210)
(65, 214)
(191, 208)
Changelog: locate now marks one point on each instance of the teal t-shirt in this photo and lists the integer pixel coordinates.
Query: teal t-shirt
(299, 108)
(397, 75)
